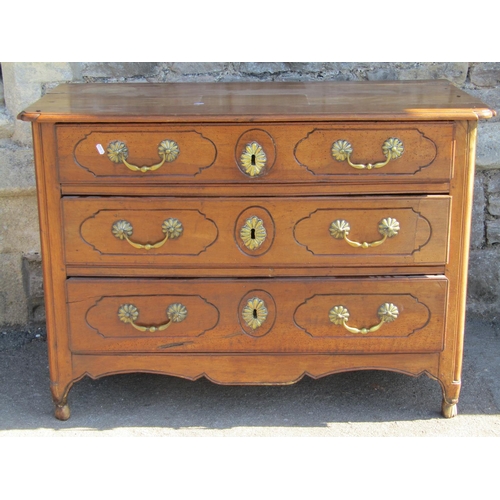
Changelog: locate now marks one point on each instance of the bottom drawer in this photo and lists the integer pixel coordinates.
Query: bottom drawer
(337, 315)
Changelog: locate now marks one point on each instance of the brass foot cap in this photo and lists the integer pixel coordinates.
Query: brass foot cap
(62, 412)
(449, 410)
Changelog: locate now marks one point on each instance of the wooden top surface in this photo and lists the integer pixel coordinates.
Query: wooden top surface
(257, 101)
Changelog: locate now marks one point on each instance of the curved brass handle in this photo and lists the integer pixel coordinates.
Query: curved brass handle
(254, 313)
(339, 315)
(167, 150)
(392, 148)
(253, 233)
(172, 229)
(253, 159)
(128, 313)
(388, 228)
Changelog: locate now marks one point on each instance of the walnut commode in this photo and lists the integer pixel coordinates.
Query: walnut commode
(254, 233)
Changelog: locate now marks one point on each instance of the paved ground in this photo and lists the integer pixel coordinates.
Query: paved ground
(351, 404)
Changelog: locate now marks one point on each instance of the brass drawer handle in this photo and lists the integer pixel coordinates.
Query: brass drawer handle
(388, 228)
(172, 229)
(253, 159)
(392, 148)
(254, 313)
(339, 315)
(253, 233)
(128, 313)
(167, 150)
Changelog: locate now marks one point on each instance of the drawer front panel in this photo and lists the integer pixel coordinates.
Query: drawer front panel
(101, 153)
(260, 153)
(392, 315)
(368, 152)
(258, 233)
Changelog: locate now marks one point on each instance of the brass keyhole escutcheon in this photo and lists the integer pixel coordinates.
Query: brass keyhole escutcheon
(257, 313)
(253, 233)
(254, 313)
(253, 159)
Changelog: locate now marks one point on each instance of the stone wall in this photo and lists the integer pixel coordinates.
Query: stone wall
(21, 293)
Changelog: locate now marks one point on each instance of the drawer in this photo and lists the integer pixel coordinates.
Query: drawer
(259, 153)
(380, 315)
(259, 233)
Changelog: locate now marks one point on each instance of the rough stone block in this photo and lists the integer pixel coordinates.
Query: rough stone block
(293, 77)
(37, 314)
(259, 68)
(13, 301)
(456, 72)
(483, 292)
(387, 73)
(19, 224)
(346, 71)
(173, 77)
(493, 231)
(23, 86)
(37, 72)
(488, 146)
(237, 77)
(18, 97)
(479, 201)
(493, 184)
(307, 67)
(494, 204)
(6, 124)
(32, 268)
(352, 66)
(117, 69)
(453, 71)
(485, 74)
(198, 68)
(33, 286)
(17, 171)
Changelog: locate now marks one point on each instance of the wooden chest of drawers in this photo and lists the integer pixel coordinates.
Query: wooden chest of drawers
(254, 233)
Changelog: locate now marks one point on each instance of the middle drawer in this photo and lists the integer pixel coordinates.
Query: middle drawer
(256, 233)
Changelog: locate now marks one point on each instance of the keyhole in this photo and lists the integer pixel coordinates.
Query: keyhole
(255, 313)
(253, 160)
(252, 233)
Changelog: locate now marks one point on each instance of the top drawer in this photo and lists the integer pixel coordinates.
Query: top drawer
(314, 153)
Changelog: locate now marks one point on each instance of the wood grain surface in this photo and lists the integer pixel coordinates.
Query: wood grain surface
(253, 101)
